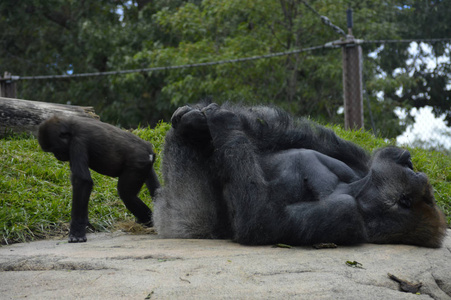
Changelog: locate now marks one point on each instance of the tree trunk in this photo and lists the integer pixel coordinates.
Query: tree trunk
(17, 116)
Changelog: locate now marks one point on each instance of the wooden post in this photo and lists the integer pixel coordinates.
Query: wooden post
(7, 86)
(352, 80)
(352, 86)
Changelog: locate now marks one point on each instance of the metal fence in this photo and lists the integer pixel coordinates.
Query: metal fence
(428, 131)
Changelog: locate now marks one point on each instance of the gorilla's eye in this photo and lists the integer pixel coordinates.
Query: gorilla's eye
(405, 201)
(405, 160)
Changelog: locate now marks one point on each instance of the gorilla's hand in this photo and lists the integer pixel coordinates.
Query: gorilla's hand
(220, 120)
(191, 123)
(179, 113)
(189, 117)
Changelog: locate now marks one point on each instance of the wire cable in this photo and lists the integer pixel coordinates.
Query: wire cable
(206, 64)
(404, 41)
(219, 62)
(325, 20)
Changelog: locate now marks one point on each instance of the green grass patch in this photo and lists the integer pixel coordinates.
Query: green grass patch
(36, 193)
(35, 189)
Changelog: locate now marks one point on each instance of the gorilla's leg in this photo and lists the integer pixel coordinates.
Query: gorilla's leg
(152, 183)
(256, 214)
(255, 219)
(190, 204)
(128, 186)
(79, 215)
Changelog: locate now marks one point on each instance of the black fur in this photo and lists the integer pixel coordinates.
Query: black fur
(259, 176)
(88, 143)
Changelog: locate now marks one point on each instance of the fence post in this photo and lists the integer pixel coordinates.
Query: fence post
(352, 80)
(7, 86)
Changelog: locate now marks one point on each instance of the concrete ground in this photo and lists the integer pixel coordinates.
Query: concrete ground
(125, 266)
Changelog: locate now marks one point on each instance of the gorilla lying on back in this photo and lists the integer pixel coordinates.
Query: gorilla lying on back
(258, 176)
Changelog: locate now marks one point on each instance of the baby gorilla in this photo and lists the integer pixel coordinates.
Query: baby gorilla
(88, 143)
(259, 176)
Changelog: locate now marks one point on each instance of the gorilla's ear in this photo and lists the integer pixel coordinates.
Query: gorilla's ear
(404, 159)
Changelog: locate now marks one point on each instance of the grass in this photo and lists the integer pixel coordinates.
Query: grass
(35, 189)
(36, 194)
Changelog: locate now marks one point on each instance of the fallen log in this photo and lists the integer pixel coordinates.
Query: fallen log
(24, 116)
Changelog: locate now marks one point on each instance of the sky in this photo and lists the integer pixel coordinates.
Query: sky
(427, 128)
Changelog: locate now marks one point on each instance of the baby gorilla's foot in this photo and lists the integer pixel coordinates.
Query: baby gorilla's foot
(77, 239)
(77, 232)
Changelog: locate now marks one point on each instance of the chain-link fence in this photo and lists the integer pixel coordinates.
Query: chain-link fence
(428, 131)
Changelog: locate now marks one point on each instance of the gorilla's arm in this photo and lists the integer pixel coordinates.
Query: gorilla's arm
(256, 175)
(306, 170)
(256, 214)
(332, 220)
(271, 130)
(245, 193)
(81, 186)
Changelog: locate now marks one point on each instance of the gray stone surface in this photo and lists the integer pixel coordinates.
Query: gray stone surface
(125, 266)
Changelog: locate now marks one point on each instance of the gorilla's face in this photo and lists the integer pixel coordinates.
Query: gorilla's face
(398, 184)
(400, 203)
(54, 137)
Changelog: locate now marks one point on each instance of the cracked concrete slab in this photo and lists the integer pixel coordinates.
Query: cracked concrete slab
(124, 266)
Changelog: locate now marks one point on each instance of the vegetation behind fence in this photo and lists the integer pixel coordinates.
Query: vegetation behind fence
(71, 38)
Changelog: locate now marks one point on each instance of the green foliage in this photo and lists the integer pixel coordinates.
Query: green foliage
(156, 137)
(221, 30)
(61, 37)
(403, 76)
(437, 166)
(35, 189)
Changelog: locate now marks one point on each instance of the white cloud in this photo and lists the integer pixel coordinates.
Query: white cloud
(427, 128)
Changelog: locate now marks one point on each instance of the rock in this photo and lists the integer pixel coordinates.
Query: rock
(119, 265)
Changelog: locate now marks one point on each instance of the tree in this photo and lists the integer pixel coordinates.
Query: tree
(402, 74)
(59, 37)
(308, 83)
(42, 37)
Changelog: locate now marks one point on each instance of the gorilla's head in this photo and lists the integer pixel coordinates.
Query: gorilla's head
(399, 203)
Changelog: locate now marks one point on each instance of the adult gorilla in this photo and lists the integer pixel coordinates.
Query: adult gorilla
(259, 176)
